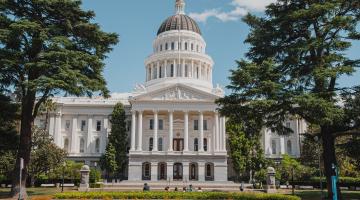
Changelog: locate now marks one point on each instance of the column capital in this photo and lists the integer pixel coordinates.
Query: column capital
(155, 111)
(133, 111)
(171, 111)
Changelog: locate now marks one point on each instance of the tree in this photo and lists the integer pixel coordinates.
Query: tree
(295, 59)
(45, 155)
(108, 160)
(245, 152)
(48, 47)
(118, 139)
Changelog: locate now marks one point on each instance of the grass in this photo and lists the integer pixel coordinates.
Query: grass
(316, 194)
(34, 192)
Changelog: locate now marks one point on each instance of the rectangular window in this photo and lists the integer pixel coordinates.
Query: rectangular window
(98, 125)
(179, 47)
(186, 46)
(192, 47)
(205, 144)
(83, 124)
(172, 71)
(161, 124)
(172, 46)
(196, 124)
(287, 124)
(160, 47)
(67, 124)
(205, 125)
(151, 124)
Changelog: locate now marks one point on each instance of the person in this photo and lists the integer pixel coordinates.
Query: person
(242, 186)
(176, 189)
(167, 188)
(184, 189)
(146, 187)
(190, 188)
(199, 189)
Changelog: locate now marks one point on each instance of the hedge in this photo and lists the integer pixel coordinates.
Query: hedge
(173, 195)
(343, 182)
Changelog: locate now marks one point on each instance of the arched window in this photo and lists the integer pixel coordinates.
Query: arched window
(172, 46)
(146, 172)
(66, 144)
(196, 144)
(209, 172)
(197, 72)
(166, 46)
(97, 145)
(82, 145)
(160, 72)
(160, 144)
(149, 73)
(186, 46)
(161, 47)
(205, 144)
(197, 48)
(151, 144)
(273, 147)
(289, 147)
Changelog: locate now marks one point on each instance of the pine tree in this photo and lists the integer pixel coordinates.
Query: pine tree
(295, 60)
(47, 47)
(118, 140)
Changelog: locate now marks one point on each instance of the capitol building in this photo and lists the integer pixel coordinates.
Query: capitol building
(174, 127)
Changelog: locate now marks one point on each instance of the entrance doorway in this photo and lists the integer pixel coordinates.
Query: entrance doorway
(178, 172)
(178, 144)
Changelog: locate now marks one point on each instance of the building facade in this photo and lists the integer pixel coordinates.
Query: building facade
(175, 131)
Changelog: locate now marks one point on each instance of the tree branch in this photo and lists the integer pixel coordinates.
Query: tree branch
(41, 100)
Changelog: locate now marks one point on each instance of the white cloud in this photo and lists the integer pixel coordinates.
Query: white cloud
(253, 5)
(241, 8)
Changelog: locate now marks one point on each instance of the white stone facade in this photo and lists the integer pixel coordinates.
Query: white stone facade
(175, 131)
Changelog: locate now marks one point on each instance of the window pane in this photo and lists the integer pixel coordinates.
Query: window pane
(151, 124)
(196, 143)
(161, 124)
(151, 144)
(205, 125)
(196, 124)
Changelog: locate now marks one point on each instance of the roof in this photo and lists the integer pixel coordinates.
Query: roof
(179, 22)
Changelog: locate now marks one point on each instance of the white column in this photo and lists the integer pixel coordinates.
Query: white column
(158, 70)
(183, 68)
(170, 170)
(74, 146)
(155, 141)
(201, 122)
(220, 135)
(217, 138)
(223, 133)
(192, 69)
(139, 145)
(154, 171)
(133, 130)
(51, 125)
(57, 133)
(165, 69)
(201, 171)
(170, 131)
(186, 171)
(175, 69)
(282, 145)
(186, 131)
(89, 134)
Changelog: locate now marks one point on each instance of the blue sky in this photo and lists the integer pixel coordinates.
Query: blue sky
(137, 21)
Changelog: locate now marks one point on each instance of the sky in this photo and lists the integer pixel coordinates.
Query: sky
(137, 21)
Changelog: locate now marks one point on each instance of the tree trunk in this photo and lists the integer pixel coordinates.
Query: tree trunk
(329, 159)
(25, 145)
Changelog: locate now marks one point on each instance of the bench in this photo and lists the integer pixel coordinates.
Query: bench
(47, 185)
(304, 187)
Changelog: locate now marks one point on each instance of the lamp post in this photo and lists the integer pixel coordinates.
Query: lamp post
(316, 138)
(63, 177)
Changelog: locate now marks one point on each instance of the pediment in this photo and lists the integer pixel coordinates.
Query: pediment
(177, 93)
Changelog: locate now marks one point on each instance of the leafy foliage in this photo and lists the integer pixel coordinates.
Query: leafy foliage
(290, 166)
(295, 59)
(246, 153)
(115, 158)
(47, 47)
(45, 155)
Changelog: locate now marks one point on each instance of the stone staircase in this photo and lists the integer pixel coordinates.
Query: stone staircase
(160, 186)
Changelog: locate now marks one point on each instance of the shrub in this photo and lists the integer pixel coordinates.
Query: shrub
(173, 195)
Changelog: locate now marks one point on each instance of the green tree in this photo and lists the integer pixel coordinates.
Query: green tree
(47, 47)
(295, 59)
(118, 139)
(245, 152)
(45, 155)
(108, 160)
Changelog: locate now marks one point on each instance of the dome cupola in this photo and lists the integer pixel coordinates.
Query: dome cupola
(179, 21)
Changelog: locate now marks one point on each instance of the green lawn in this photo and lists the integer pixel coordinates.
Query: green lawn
(4, 193)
